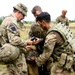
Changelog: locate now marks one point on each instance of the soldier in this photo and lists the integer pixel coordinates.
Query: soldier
(62, 18)
(12, 52)
(36, 31)
(36, 11)
(58, 47)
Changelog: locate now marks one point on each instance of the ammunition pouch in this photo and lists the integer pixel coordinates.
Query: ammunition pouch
(65, 61)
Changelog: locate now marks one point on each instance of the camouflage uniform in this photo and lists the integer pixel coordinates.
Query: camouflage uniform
(35, 31)
(62, 20)
(13, 44)
(54, 53)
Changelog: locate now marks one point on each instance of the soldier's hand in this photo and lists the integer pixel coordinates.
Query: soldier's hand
(35, 42)
(32, 59)
(29, 42)
(30, 47)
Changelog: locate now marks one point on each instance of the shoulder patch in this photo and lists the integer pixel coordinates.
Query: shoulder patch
(13, 28)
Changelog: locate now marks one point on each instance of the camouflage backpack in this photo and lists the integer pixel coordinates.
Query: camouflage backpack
(37, 31)
(8, 53)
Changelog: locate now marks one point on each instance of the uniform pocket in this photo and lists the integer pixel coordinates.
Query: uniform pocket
(69, 62)
(62, 60)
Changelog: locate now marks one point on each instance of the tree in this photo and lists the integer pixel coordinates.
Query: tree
(1, 19)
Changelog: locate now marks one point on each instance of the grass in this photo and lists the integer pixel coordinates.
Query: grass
(72, 27)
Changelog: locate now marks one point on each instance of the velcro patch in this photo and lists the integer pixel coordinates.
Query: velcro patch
(13, 28)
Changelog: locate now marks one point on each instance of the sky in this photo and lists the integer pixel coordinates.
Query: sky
(54, 7)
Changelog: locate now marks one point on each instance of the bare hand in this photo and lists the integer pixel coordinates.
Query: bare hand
(35, 42)
(29, 42)
(30, 47)
(32, 58)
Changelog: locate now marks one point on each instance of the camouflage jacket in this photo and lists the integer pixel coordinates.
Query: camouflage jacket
(53, 48)
(12, 32)
(37, 31)
(62, 20)
(18, 66)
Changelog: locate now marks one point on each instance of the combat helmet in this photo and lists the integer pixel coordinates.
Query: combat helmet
(22, 8)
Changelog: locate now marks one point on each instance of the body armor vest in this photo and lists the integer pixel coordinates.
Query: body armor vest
(66, 33)
(64, 53)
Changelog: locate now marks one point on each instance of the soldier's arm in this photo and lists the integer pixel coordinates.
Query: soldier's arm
(14, 37)
(48, 49)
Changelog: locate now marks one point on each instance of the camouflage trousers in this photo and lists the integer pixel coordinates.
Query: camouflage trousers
(56, 70)
(32, 68)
